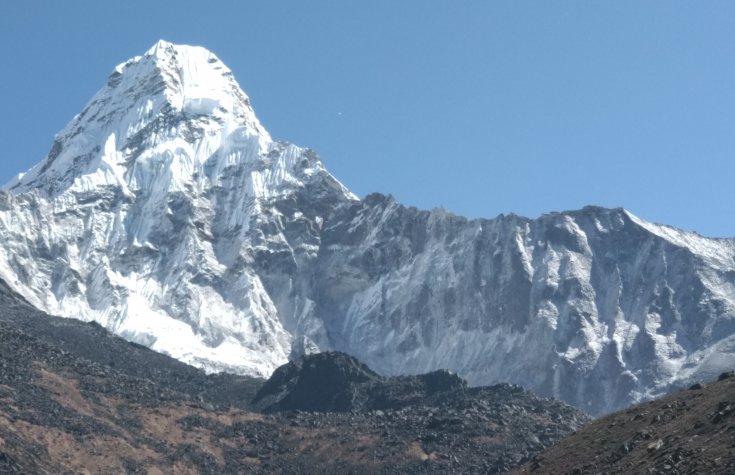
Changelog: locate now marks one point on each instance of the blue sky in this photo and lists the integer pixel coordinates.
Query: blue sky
(479, 107)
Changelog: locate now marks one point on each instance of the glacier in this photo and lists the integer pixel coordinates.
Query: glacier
(167, 213)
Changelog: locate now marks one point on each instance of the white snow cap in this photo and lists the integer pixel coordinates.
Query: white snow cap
(198, 82)
(146, 101)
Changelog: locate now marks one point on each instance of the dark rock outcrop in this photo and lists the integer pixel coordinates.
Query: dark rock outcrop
(337, 382)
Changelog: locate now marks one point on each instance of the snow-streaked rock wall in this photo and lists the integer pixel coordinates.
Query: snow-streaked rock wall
(595, 307)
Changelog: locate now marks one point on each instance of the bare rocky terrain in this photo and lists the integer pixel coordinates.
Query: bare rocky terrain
(689, 432)
(75, 399)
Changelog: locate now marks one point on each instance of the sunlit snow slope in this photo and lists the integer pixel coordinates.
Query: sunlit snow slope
(166, 212)
(152, 208)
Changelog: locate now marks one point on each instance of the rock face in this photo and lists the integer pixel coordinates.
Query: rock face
(596, 307)
(165, 212)
(337, 382)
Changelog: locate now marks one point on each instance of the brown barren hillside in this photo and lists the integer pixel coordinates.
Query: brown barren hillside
(689, 432)
(64, 414)
(75, 399)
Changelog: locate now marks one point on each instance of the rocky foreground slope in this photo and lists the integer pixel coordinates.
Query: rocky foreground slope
(165, 212)
(689, 432)
(69, 405)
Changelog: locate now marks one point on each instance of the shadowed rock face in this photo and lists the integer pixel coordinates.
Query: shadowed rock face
(337, 382)
(323, 382)
(166, 213)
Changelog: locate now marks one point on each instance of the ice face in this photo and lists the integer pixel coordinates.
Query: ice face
(151, 205)
(174, 105)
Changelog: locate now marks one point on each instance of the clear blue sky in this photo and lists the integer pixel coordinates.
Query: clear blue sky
(479, 107)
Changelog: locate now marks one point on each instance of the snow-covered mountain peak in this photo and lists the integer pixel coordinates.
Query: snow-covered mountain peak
(177, 99)
(159, 204)
(166, 213)
(198, 83)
